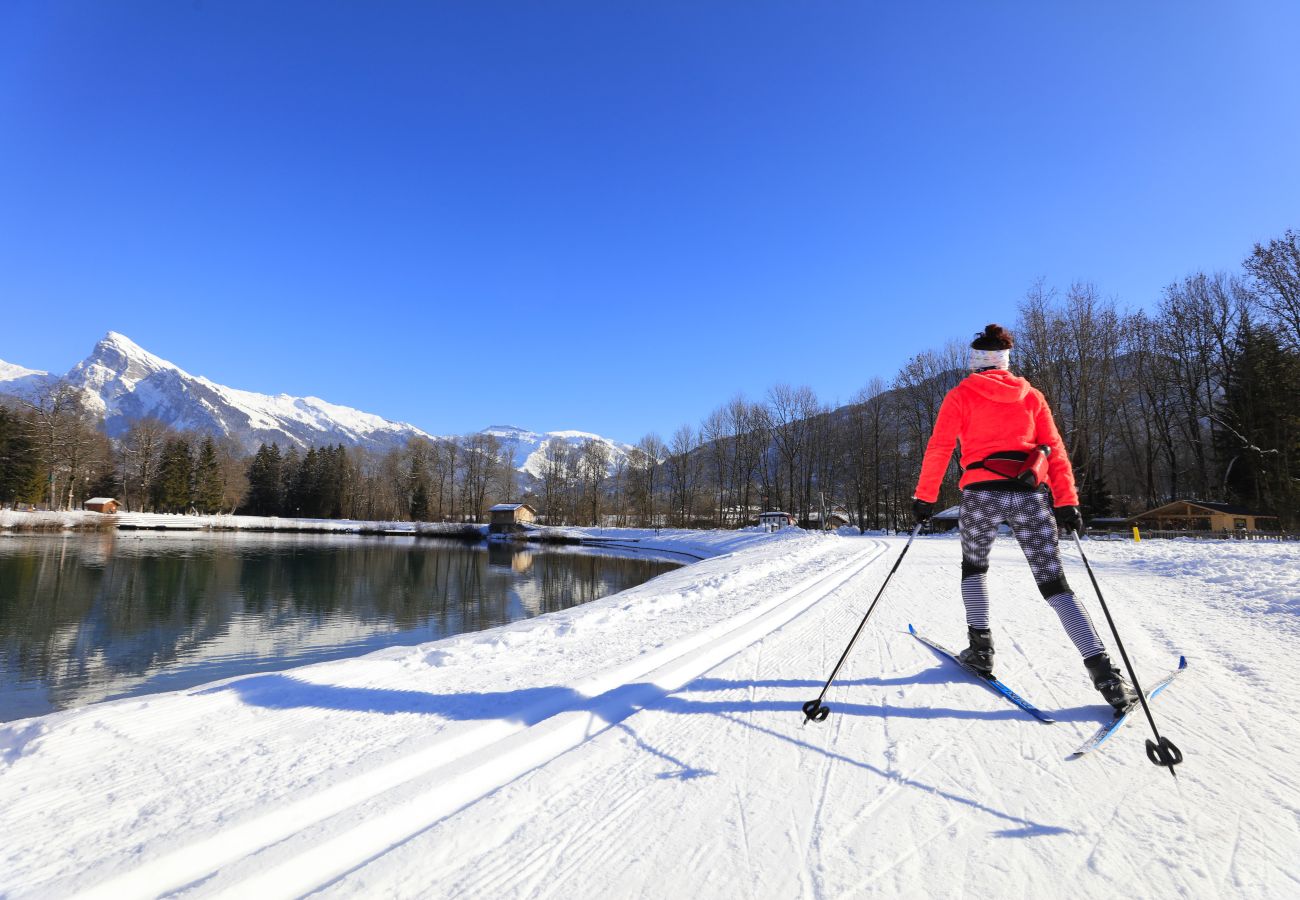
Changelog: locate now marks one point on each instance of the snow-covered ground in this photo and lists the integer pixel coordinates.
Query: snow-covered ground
(650, 745)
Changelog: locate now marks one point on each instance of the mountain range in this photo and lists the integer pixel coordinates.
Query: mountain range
(123, 383)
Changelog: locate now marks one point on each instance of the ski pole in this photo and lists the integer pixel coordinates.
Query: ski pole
(817, 711)
(1161, 751)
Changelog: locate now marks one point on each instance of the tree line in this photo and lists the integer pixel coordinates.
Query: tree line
(1197, 398)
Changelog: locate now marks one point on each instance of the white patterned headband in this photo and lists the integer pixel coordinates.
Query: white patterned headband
(989, 359)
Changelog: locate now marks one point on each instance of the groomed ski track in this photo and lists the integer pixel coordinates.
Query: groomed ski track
(649, 745)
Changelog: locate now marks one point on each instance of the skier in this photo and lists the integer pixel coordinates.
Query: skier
(1011, 453)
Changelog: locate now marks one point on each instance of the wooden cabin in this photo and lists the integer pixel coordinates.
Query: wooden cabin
(508, 517)
(1198, 515)
(101, 505)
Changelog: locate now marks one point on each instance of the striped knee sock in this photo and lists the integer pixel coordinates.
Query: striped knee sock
(975, 595)
(1077, 624)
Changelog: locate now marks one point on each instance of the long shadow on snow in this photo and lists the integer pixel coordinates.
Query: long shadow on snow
(529, 706)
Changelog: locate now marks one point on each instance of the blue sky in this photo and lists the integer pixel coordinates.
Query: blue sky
(614, 216)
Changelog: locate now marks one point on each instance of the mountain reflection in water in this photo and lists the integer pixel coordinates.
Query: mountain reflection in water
(91, 617)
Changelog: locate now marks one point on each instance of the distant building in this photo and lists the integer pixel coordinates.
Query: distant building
(508, 517)
(775, 521)
(101, 505)
(836, 516)
(1198, 515)
(946, 520)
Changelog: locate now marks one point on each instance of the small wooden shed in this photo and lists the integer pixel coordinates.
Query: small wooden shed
(507, 517)
(101, 505)
(945, 520)
(1199, 515)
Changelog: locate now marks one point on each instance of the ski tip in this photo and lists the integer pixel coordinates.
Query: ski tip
(910, 628)
(1182, 662)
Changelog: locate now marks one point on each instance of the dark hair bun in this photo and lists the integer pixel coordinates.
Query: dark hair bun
(993, 337)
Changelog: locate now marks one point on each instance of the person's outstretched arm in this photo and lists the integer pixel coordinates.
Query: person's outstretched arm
(937, 453)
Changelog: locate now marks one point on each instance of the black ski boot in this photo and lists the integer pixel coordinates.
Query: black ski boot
(979, 655)
(1107, 679)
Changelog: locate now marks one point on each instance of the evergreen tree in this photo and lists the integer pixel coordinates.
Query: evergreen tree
(264, 482)
(419, 505)
(1261, 406)
(290, 483)
(1094, 499)
(331, 481)
(208, 486)
(173, 488)
(307, 486)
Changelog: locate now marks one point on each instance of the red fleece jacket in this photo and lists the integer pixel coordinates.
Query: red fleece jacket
(990, 412)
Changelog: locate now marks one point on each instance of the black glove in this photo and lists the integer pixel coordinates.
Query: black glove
(1069, 519)
(921, 510)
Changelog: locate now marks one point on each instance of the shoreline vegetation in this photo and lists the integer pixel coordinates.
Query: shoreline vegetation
(85, 522)
(41, 521)
(14, 522)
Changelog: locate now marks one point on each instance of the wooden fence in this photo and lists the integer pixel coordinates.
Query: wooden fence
(1154, 534)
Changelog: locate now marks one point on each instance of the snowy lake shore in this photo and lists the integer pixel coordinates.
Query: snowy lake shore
(650, 744)
(82, 520)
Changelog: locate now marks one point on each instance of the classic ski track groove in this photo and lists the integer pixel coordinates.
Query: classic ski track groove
(476, 750)
(480, 883)
(841, 616)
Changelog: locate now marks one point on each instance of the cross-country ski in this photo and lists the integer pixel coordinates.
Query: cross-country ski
(1107, 730)
(995, 683)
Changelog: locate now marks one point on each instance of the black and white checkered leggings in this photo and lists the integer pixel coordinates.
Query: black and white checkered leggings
(1030, 518)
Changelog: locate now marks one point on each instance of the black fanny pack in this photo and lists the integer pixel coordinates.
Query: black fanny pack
(1029, 468)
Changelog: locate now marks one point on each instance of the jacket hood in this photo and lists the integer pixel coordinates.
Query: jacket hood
(997, 385)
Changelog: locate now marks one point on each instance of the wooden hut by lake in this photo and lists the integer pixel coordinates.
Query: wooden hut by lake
(508, 517)
(101, 505)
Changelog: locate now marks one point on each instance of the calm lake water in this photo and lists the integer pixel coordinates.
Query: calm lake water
(85, 618)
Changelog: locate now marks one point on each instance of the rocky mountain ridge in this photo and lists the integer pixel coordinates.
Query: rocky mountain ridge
(122, 382)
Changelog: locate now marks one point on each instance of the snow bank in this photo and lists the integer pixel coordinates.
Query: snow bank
(1257, 577)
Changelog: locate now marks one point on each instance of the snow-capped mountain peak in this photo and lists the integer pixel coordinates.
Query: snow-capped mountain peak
(123, 382)
(119, 352)
(528, 448)
(11, 372)
(21, 381)
(114, 368)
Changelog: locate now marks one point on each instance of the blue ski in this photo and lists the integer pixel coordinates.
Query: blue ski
(991, 682)
(1113, 725)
